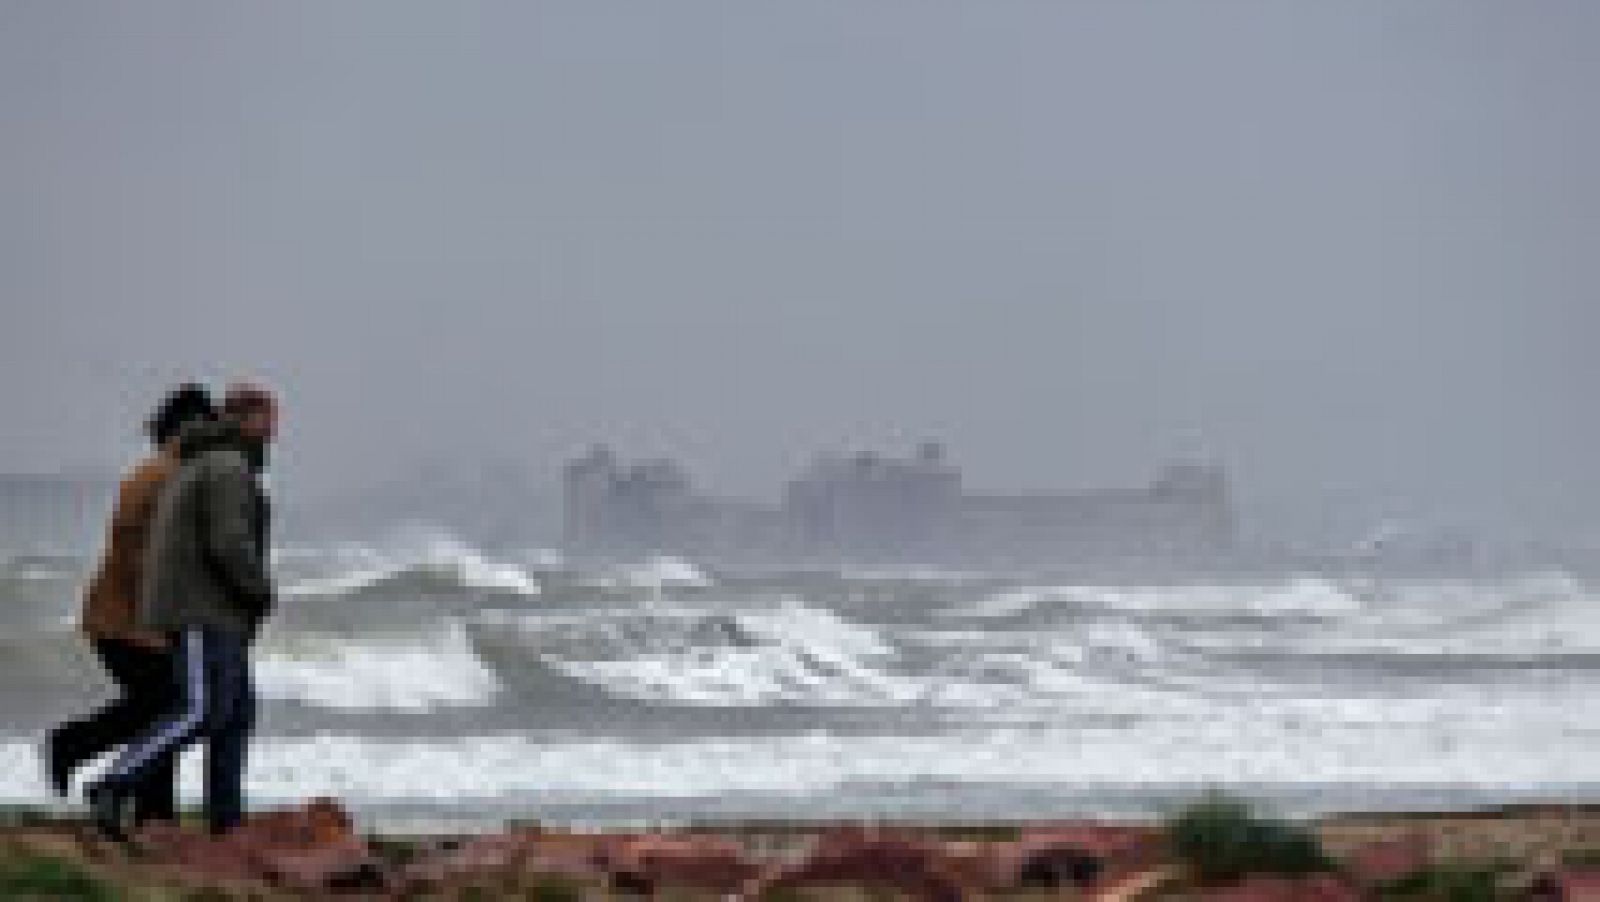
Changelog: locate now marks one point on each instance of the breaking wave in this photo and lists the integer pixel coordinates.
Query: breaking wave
(436, 563)
(789, 653)
(415, 672)
(490, 666)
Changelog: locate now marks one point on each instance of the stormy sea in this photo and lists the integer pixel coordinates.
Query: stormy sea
(425, 680)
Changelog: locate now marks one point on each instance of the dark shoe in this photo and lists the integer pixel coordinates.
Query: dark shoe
(107, 808)
(58, 766)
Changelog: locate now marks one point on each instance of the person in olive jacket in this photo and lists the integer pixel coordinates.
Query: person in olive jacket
(207, 589)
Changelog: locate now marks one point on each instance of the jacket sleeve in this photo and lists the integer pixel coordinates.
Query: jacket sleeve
(126, 535)
(230, 537)
(135, 513)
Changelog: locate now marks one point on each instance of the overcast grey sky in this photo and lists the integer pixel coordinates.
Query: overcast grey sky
(1348, 248)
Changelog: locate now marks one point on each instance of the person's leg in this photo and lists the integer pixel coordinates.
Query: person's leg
(153, 692)
(139, 759)
(71, 745)
(156, 796)
(229, 740)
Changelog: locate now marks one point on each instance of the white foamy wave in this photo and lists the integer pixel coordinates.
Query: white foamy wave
(1522, 617)
(543, 560)
(358, 567)
(660, 571)
(800, 655)
(1554, 614)
(977, 670)
(737, 677)
(1221, 745)
(1007, 603)
(818, 629)
(913, 574)
(1306, 595)
(1301, 596)
(341, 584)
(415, 673)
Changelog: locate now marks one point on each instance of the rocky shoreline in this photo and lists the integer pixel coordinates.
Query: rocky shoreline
(314, 851)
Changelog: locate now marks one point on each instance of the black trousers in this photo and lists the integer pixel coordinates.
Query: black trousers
(146, 691)
(215, 703)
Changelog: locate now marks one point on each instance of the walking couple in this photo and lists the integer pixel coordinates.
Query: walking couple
(179, 596)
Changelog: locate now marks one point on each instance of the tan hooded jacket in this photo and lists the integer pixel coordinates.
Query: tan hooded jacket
(111, 601)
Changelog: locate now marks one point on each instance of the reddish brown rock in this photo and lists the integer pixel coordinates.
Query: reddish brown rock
(199, 857)
(322, 869)
(1137, 885)
(1269, 888)
(314, 847)
(67, 841)
(497, 857)
(476, 855)
(1567, 886)
(311, 848)
(1108, 838)
(1082, 854)
(1386, 860)
(912, 865)
(319, 822)
(569, 855)
(652, 861)
(1089, 856)
(983, 864)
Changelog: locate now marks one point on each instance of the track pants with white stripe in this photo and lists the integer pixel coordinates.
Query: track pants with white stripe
(217, 704)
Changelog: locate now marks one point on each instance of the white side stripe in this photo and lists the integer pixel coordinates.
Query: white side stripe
(137, 755)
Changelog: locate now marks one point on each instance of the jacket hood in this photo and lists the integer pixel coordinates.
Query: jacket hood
(201, 436)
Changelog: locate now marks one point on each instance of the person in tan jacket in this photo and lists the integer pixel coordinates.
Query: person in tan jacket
(138, 660)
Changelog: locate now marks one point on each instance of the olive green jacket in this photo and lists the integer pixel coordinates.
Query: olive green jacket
(206, 564)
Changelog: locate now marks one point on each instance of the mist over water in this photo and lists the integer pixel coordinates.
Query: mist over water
(1337, 247)
(426, 677)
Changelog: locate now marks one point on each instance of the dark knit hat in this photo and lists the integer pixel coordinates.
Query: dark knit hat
(184, 404)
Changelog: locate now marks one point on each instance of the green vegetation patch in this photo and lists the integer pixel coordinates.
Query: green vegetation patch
(555, 888)
(1221, 839)
(30, 876)
(1451, 882)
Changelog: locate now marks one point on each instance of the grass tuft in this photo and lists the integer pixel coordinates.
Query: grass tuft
(1221, 839)
(1451, 882)
(29, 876)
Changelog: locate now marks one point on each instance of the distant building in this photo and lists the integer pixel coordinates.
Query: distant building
(608, 505)
(587, 497)
(1185, 510)
(876, 506)
(870, 507)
